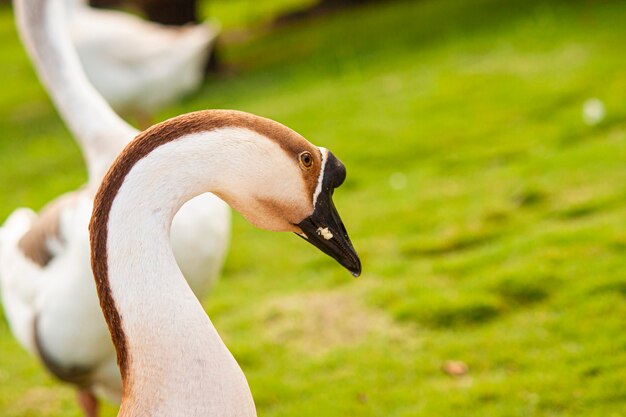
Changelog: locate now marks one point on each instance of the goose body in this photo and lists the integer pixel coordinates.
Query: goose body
(139, 66)
(46, 281)
(52, 308)
(172, 360)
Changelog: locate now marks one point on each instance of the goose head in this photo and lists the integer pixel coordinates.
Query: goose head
(271, 175)
(285, 183)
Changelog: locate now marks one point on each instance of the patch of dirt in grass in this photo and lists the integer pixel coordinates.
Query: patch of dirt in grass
(42, 401)
(320, 322)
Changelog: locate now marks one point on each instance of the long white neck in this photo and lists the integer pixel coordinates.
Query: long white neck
(101, 133)
(175, 363)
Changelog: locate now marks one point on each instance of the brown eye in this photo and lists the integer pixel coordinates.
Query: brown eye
(306, 159)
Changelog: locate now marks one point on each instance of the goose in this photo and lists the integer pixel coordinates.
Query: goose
(46, 283)
(138, 66)
(172, 360)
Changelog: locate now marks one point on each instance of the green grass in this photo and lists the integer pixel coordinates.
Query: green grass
(242, 14)
(505, 249)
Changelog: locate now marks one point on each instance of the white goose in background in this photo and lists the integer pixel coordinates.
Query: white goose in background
(172, 360)
(46, 281)
(138, 66)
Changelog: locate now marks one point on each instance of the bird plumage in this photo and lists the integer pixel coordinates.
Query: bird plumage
(47, 287)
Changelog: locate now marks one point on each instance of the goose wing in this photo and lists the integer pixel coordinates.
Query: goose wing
(48, 292)
(28, 244)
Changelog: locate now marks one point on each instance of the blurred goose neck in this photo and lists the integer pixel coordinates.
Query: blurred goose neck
(101, 133)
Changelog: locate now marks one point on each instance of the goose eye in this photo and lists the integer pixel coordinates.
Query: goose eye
(306, 159)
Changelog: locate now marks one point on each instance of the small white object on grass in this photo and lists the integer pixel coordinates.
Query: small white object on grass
(593, 111)
(398, 181)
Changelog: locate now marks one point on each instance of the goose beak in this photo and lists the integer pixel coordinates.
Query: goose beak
(324, 228)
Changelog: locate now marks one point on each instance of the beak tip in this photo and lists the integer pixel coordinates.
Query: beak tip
(355, 269)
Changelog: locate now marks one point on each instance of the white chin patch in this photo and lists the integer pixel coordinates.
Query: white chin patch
(318, 189)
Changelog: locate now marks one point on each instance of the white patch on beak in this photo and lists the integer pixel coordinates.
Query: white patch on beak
(324, 232)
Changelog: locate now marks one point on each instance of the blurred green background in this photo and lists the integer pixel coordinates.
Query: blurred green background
(485, 142)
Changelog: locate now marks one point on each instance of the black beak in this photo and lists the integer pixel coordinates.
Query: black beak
(324, 228)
